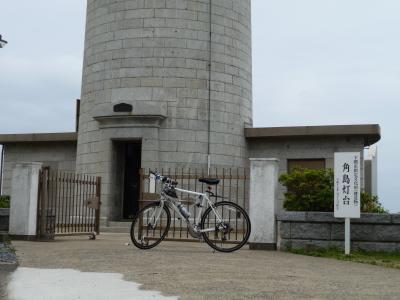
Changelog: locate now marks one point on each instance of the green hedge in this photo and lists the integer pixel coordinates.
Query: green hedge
(4, 201)
(312, 190)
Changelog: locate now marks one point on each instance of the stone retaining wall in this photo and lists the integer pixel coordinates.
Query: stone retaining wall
(4, 219)
(372, 232)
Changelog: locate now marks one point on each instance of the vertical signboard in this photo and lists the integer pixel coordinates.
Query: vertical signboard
(347, 185)
(347, 190)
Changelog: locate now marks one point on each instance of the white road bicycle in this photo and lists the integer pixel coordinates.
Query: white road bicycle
(224, 226)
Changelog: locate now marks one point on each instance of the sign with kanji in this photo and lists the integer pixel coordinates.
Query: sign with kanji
(347, 185)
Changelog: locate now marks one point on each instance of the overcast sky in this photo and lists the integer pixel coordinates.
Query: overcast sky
(314, 63)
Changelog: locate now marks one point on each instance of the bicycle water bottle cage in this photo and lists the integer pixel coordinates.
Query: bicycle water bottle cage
(209, 181)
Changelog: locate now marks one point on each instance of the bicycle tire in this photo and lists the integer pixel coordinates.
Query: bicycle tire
(240, 240)
(143, 242)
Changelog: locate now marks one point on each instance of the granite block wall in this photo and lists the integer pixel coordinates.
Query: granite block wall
(305, 230)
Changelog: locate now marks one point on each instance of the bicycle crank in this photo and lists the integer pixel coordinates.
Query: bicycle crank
(194, 232)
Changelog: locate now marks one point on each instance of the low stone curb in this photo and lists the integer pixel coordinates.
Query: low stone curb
(371, 232)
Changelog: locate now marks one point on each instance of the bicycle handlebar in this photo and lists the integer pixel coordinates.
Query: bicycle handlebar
(164, 179)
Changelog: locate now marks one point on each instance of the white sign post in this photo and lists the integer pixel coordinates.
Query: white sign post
(347, 190)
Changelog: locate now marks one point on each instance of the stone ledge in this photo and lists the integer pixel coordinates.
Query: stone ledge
(4, 211)
(326, 217)
(126, 121)
(370, 132)
(395, 218)
(38, 137)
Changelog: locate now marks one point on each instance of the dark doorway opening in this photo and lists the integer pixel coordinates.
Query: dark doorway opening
(133, 153)
(128, 170)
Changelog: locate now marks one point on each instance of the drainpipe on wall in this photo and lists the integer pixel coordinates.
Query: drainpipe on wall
(78, 112)
(209, 94)
(1, 169)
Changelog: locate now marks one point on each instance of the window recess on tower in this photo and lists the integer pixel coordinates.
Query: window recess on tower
(123, 107)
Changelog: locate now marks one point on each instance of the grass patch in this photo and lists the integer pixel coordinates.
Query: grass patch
(389, 260)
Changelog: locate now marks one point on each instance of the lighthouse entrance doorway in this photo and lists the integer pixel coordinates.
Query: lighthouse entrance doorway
(128, 176)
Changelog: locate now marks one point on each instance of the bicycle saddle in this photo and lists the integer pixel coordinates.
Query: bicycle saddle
(209, 181)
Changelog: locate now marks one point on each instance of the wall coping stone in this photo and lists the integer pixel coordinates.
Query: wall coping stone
(370, 132)
(264, 159)
(124, 121)
(328, 217)
(4, 211)
(38, 137)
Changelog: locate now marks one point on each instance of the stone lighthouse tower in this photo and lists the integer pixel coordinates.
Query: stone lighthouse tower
(166, 84)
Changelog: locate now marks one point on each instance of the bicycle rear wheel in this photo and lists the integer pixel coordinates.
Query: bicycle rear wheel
(229, 234)
(148, 230)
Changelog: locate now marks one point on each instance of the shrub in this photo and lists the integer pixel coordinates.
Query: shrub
(312, 190)
(4, 201)
(308, 190)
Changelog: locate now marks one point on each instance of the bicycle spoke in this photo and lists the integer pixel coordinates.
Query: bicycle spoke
(231, 226)
(150, 226)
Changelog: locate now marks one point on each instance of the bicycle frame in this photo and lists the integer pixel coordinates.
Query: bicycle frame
(170, 203)
(212, 222)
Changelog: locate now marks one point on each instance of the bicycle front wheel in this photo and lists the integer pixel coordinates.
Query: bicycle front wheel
(228, 228)
(150, 226)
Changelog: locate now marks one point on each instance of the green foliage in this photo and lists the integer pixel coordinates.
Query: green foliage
(4, 201)
(312, 190)
(371, 204)
(308, 190)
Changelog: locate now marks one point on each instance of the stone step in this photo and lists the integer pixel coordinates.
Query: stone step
(116, 227)
(119, 224)
(114, 230)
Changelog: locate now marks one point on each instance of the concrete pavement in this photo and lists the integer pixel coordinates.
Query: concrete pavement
(193, 271)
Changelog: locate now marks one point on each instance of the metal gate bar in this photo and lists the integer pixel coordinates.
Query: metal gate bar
(233, 187)
(68, 204)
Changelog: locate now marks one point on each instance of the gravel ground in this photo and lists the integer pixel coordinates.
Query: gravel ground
(193, 271)
(7, 253)
(7, 257)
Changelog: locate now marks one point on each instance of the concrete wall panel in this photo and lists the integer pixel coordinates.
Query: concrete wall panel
(56, 155)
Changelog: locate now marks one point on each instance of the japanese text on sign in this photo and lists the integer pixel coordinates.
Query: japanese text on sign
(347, 185)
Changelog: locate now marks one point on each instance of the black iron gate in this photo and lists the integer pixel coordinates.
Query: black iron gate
(234, 187)
(68, 204)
